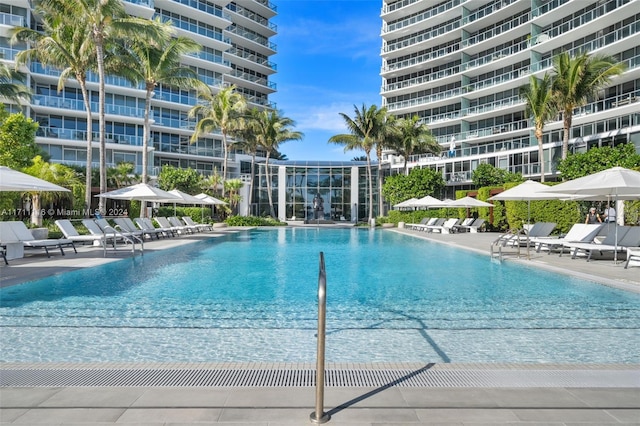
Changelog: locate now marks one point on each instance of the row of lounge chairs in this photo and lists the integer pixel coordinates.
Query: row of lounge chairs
(447, 226)
(16, 232)
(581, 240)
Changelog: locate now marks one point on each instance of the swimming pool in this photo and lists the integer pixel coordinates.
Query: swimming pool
(252, 296)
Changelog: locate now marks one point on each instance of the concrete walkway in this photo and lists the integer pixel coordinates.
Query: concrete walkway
(356, 394)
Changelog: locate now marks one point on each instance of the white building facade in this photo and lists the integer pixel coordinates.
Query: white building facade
(459, 64)
(236, 49)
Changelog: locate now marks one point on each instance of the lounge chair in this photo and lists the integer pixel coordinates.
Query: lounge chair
(126, 225)
(173, 220)
(70, 233)
(537, 230)
(23, 235)
(436, 221)
(164, 223)
(200, 226)
(462, 226)
(146, 224)
(579, 233)
(474, 226)
(445, 228)
(423, 222)
(633, 254)
(615, 241)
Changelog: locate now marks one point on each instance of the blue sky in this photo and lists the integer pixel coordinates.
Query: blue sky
(328, 61)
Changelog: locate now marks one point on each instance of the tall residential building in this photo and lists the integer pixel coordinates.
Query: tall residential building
(236, 49)
(459, 64)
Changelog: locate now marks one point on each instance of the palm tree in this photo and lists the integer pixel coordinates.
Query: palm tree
(10, 86)
(233, 186)
(64, 47)
(154, 64)
(413, 137)
(102, 21)
(123, 174)
(383, 140)
(54, 173)
(272, 129)
(221, 111)
(540, 108)
(578, 79)
(249, 142)
(364, 128)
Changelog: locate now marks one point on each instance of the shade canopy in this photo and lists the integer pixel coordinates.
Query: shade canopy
(142, 192)
(529, 190)
(186, 198)
(13, 180)
(428, 202)
(468, 202)
(406, 203)
(209, 199)
(617, 183)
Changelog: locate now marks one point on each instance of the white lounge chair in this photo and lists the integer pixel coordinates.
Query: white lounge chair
(435, 221)
(126, 225)
(23, 235)
(146, 224)
(579, 233)
(164, 223)
(615, 241)
(445, 228)
(70, 233)
(173, 220)
(424, 221)
(201, 226)
(633, 255)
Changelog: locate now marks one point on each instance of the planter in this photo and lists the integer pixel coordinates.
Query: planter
(40, 233)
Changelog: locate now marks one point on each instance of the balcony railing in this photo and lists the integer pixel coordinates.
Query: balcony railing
(422, 79)
(78, 105)
(250, 35)
(81, 135)
(422, 16)
(507, 26)
(445, 28)
(418, 60)
(11, 20)
(487, 10)
(252, 57)
(494, 56)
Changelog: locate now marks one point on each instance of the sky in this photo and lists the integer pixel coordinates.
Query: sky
(328, 61)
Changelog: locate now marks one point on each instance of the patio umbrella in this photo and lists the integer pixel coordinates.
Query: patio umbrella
(13, 180)
(142, 192)
(468, 202)
(208, 199)
(184, 198)
(528, 191)
(428, 202)
(406, 203)
(617, 183)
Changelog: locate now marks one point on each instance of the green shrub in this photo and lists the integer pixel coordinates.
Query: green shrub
(253, 221)
(198, 214)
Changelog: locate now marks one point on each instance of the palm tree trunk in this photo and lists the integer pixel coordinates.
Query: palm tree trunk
(272, 211)
(224, 160)
(36, 207)
(145, 144)
(540, 155)
(565, 136)
(102, 124)
(88, 177)
(253, 163)
(370, 178)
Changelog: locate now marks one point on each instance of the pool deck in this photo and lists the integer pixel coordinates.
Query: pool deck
(385, 394)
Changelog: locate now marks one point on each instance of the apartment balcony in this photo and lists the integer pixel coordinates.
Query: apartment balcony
(52, 104)
(250, 60)
(251, 81)
(264, 8)
(403, 8)
(423, 19)
(140, 8)
(251, 20)
(501, 34)
(52, 134)
(420, 41)
(252, 40)
(444, 54)
(201, 11)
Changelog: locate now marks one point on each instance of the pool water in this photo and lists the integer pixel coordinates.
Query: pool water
(252, 296)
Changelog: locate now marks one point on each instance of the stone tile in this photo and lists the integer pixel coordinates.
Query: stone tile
(378, 415)
(563, 415)
(273, 397)
(534, 397)
(608, 397)
(7, 415)
(363, 397)
(94, 397)
(164, 415)
(25, 397)
(70, 415)
(448, 398)
(625, 416)
(178, 397)
(490, 415)
(298, 416)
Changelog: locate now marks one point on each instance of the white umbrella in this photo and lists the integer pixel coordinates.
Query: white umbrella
(209, 199)
(141, 191)
(186, 198)
(468, 202)
(617, 183)
(428, 202)
(13, 180)
(405, 203)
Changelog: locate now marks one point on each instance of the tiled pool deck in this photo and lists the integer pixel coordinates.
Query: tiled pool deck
(356, 394)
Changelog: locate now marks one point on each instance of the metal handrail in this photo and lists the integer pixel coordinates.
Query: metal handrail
(319, 416)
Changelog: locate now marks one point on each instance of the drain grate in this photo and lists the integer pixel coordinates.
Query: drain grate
(424, 377)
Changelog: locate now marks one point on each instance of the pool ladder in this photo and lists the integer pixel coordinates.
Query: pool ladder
(319, 416)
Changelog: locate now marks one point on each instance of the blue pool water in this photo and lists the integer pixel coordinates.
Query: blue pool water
(252, 296)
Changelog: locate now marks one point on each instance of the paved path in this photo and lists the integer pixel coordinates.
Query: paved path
(358, 395)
